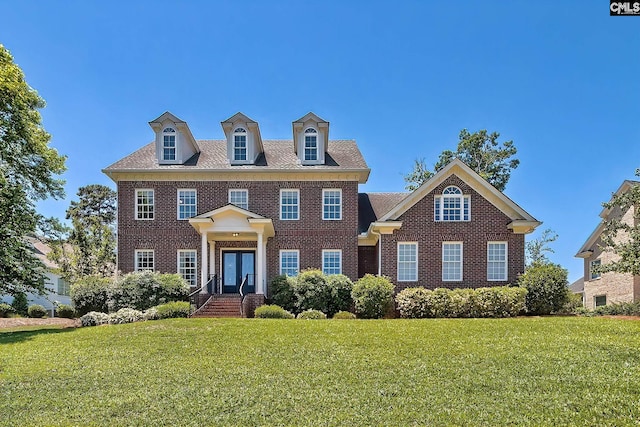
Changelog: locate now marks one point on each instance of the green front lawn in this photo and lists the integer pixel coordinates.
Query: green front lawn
(531, 371)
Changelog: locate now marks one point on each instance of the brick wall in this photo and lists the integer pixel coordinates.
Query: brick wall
(487, 224)
(617, 287)
(310, 234)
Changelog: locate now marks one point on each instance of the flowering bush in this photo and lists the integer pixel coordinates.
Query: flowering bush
(94, 318)
(125, 315)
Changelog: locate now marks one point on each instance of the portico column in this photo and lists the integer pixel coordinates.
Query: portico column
(212, 258)
(205, 268)
(264, 266)
(259, 275)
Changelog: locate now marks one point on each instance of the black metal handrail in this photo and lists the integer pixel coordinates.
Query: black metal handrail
(241, 290)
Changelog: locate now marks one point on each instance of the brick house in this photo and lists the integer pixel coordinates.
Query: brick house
(220, 212)
(602, 289)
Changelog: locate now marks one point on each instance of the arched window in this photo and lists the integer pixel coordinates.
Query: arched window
(240, 144)
(452, 205)
(169, 144)
(311, 144)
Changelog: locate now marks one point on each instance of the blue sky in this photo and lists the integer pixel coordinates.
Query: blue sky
(560, 79)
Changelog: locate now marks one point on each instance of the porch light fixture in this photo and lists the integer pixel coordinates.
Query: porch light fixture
(235, 234)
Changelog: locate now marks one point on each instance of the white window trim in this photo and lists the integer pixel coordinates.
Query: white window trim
(178, 203)
(398, 260)
(506, 261)
(440, 199)
(178, 263)
(280, 208)
(461, 261)
(340, 259)
(135, 212)
(175, 141)
(324, 190)
(246, 145)
(591, 271)
(304, 145)
(297, 251)
(244, 190)
(135, 259)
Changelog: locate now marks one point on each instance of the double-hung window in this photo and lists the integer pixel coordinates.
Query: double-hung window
(169, 144)
(310, 145)
(187, 259)
(496, 261)
(407, 261)
(593, 269)
(187, 203)
(144, 260)
(332, 261)
(240, 144)
(289, 204)
(332, 204)
(452, 205)
(63, 287)
(289, 262)
(451, 261)
(240, 198)
(144, 204)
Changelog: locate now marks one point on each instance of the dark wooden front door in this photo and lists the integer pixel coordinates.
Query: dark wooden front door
(236, 265)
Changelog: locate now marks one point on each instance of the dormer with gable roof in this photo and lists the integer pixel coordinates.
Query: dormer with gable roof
(174, 142)
(310, 139)
(244, 143)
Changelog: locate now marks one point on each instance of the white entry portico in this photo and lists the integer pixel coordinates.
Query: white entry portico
(231, 223)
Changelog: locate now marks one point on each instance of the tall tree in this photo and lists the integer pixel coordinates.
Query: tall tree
(481, 151)
(536, 250)
(622, 236)
(88, 246)
(28, 169)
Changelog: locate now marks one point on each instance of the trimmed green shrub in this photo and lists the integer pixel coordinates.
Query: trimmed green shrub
(91, 293)
(143, 290)
(20, 304)
(94, 318)
(547, 288)
(125, 315)
(36, 311)
(282, 292)
(344, 315)
(311, 291)
(499, 301)
(311, 315)
(6, 310)
(619, 309)
(372, 296)
(272, 312)
(173, 309)
(65, 311)
(572, 305)
(340, 287)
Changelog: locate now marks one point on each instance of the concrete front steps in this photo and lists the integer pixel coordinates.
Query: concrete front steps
(225, 305)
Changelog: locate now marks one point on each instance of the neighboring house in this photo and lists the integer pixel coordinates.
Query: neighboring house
(577, 287)
(244, 208)
(612, 287)
(57, 289)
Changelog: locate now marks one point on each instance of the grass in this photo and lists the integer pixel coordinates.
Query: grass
(532, 371)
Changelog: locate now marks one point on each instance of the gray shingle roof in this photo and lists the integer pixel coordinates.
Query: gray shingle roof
(372, 206)
(278, 155)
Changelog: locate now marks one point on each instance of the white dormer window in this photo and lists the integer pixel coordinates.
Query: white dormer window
(240, 144)
(310, 145)
(169, 144)
(452, 205)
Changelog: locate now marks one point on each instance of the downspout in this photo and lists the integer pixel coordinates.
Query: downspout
(379, 251)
